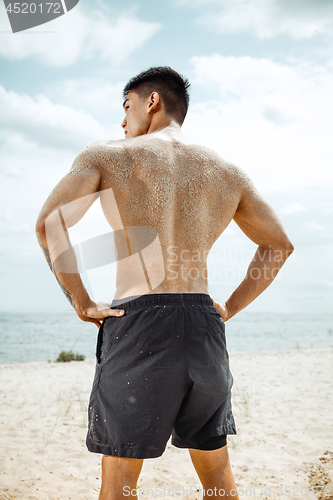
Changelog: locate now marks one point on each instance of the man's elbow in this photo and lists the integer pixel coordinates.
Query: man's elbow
(287, 248)
(40, 229)
(281, 249)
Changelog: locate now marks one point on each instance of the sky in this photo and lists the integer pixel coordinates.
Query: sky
(261, 74)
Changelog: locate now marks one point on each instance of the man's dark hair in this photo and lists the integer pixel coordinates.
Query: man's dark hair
(171, 86)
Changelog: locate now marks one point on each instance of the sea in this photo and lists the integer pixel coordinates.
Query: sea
(30, 337)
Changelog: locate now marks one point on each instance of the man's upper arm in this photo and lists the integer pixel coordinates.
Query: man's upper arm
(76, 191)
(257, 218)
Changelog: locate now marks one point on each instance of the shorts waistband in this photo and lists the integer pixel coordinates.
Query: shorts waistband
(162, 299)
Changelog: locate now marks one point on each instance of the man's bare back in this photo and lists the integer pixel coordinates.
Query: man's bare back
(186, 192)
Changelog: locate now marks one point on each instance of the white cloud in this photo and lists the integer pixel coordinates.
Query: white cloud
(79, 34)
(300, 19)
(39, 141)
(274, 120)
(247, 76)
(90, 94)
(99, 98)
(47, 124)
(28, 174)
(293, 208)
(314, 226)
(326, 283)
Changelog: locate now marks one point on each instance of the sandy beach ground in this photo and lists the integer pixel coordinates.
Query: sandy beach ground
(282, 404)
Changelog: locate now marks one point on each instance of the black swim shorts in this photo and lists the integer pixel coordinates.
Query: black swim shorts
(162, 369)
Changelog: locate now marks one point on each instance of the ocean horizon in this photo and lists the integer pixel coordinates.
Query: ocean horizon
(29, 337)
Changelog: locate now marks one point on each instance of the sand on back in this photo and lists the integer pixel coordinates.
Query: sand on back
(185, 193)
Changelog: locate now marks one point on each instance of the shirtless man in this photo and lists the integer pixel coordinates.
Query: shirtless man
(162, 364)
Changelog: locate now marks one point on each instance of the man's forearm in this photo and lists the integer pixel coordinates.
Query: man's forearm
(70, 282)
(261, 272)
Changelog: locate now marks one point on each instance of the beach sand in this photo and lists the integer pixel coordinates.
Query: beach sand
(283, 409)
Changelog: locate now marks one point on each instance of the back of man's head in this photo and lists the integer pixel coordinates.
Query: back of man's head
(170, 85)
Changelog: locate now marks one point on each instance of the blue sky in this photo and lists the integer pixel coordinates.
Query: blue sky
(261, 74)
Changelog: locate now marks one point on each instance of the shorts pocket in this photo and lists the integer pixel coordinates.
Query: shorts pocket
(99, 342)
(214, 324)
(213, 321)
(95, 383)
(106, 334)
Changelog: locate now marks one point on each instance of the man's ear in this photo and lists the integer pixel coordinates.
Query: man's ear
(154, 101)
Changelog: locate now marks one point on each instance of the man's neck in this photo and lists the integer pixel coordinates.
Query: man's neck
(167, 124)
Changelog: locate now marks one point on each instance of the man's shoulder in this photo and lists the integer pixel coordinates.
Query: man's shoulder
(99, 151)
(91, 158)
(227, 167)
(116, 147)
(104, 146)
